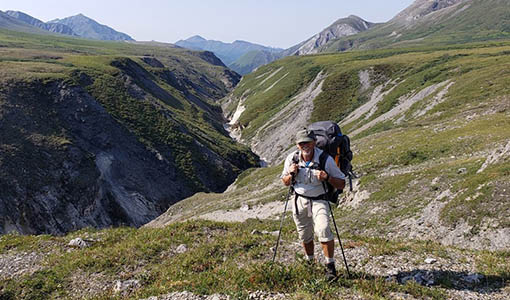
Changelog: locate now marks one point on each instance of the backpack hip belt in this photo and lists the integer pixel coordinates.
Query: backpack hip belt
(296, 195)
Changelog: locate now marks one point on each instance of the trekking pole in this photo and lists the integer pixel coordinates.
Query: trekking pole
(339, 241)
(281, 223)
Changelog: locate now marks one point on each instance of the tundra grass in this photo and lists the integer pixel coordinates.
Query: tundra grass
(221, 258)
(478, 72)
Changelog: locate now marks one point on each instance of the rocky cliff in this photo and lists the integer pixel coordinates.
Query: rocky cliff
(103, 141)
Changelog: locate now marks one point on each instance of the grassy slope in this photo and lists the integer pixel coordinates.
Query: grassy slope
(223, 258)
(31, 58)
(458, 133)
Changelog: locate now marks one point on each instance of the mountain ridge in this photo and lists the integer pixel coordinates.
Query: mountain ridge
(229, 53)
(52, 27)
(89, 28)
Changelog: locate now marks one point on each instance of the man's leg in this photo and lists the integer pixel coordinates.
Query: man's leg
(328, 248)
(304, 225)
(323, 231)
(309, 247)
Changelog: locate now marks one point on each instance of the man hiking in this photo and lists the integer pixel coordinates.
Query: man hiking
(311, 209)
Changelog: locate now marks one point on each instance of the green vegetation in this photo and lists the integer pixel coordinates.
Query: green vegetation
(399, 161)
(222, 258)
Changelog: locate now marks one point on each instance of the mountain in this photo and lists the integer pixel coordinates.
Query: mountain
(252, 60)
(341, 28)
(10, 23)
(229, 53)
(88, 28)
(97, 134)
(438, 22)
(52, 27)
(256, 58)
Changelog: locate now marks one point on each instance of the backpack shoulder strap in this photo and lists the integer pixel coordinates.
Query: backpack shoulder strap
(295, 158)
(322, 160)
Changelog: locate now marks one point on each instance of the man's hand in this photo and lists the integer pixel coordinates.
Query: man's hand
(293, 169)
(336, 182)
(322, 175)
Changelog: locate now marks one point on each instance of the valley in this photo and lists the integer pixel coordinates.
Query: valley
(132, 170)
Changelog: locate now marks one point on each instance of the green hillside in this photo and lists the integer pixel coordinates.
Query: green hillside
(470, 21)
(432, 153)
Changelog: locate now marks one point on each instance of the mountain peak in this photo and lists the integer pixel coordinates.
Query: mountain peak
(89, 28)
(340, 28)
(196, 38)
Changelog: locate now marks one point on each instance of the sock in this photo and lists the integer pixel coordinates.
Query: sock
(309, 257)
(330, 260)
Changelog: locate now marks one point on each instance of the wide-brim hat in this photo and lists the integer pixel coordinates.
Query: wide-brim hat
(305, 136)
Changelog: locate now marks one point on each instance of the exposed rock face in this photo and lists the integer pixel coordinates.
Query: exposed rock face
(342, 27)
(68, 162)
(88, 28)
(421, 8)
(102, 176)
(273, 138)
(52, 27)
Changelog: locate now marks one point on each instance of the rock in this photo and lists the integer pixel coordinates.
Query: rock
(245, 208)
(126, 286)
(430, 260)
(78, 242)
(393, 272)
(274, 233)
(181, 248)
(462, 171)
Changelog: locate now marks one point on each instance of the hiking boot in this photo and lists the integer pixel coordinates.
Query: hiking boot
(331, 272)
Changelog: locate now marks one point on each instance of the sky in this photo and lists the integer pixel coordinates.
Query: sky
(275, 23)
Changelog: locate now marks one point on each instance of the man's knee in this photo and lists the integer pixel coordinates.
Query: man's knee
(323, 232)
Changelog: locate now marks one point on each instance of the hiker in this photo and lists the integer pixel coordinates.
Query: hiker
(311, 209)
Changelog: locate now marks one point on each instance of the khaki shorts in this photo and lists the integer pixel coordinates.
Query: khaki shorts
(318, 221)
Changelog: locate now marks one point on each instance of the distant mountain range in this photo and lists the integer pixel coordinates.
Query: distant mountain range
(229, 53)
(244, 57)
(77, 26)
(423, 22)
